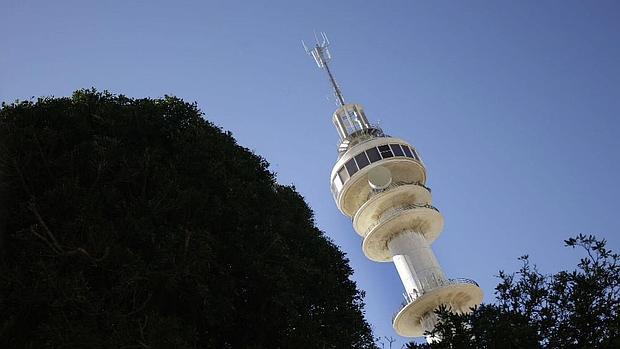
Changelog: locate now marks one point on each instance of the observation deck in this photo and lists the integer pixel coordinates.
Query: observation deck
(458, 294)
(422, 218)
(349, 180)
(397, 194)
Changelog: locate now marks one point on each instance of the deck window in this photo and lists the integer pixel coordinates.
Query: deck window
(407, 152)
(351, 167)
(343, 174)
(373, 154)
(385, 151)
(397, 150)
(362, 160)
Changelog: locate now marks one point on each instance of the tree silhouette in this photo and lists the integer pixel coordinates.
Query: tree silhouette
(576, 309)
(136, 223)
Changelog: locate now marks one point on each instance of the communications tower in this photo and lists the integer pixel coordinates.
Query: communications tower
(379, 182)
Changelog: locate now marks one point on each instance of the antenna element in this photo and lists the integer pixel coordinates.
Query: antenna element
(322, 57)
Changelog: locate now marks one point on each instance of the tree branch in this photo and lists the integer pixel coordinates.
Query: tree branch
(33, 207)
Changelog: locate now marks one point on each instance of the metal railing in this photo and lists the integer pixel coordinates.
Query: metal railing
(360, 136)
(463, 281)
(374, 192)
(395, 211)
(447, 282)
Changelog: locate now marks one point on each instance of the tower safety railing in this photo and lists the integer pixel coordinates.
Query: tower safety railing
(374, 192)
(359, 137)
(396, 211)
(413, 298)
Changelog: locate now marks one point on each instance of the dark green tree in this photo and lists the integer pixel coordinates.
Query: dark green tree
(576, 309)
(135, 223)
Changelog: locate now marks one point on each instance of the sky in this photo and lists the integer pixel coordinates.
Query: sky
(513, 106)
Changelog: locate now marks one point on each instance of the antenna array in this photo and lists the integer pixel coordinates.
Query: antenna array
(322, 57)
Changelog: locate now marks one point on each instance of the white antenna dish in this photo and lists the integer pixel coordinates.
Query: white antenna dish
(379, 178)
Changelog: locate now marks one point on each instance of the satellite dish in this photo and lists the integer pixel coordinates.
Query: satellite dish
(379, 178)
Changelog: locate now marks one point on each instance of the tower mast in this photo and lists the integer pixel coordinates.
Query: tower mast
(349, 119)
(322, 57)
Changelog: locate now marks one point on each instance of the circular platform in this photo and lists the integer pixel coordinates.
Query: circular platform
(424, 219)
(399, 194)
(461, 295)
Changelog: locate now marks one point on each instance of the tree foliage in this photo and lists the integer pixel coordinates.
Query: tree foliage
(135, 223)
(576, 309)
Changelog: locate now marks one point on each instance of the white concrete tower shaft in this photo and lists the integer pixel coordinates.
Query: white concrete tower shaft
(379, 181)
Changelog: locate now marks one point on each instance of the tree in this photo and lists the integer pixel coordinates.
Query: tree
(136, 223)
(577, 309)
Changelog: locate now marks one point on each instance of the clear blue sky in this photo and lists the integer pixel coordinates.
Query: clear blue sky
(514, 106)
